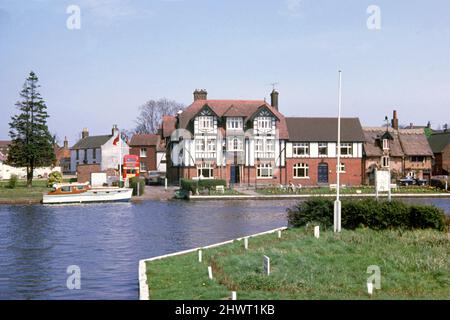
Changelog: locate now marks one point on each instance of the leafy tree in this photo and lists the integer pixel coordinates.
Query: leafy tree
(152, 112)
(31, 144)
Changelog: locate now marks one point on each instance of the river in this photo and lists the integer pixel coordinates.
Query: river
(106, 241)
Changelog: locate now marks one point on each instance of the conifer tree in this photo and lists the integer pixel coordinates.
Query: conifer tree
(31, 142)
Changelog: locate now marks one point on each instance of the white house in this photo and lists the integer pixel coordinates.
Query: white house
(103, 150)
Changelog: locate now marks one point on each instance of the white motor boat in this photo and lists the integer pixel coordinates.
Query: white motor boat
(83, 192)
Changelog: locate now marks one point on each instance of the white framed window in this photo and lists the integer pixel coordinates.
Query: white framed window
(142, 166)
(270, 145)
(264, 123)
(385, 161)
(385, 144)
(235, 144)
(301, 170)
(205, 122)
(300, 149)
(346, 149)
(264, 170)
(259, 145)
(143, 153)
(211, 145)
(200, 145)
(323, 149)
(235, 123)
(342, 168)
(205, 171)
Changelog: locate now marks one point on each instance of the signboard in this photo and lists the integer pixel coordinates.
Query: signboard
(383, 181)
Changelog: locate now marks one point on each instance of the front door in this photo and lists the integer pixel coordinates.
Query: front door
(322, 173)
(234, 174)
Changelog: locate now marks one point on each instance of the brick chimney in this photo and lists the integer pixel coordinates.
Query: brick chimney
(85, 133)
(114, 130)
(200, 94)
(66, 143)
(395, 120)
(274, 99)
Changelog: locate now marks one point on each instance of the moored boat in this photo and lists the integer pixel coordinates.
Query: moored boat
(83, 192)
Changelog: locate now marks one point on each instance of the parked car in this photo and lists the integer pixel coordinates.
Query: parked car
(155, 177)
(408, 181)
(421, 182)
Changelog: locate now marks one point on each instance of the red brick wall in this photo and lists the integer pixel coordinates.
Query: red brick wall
(84, 171)
(150, 160)
(351, 176)
(446, 159)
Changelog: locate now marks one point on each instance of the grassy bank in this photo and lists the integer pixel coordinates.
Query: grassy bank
(21, 193)
(348, 190)
(414, 265)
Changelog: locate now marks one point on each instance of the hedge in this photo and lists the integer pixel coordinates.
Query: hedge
(134, 182)
(367, 213)
(192, 185)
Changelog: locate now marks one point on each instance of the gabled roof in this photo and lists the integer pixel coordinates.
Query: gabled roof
(144, 140)
(324, 129)
(168, 125)
(91, 142)
(438, 141)
(232, 108)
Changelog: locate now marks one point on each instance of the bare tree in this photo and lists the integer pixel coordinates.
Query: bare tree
(152, 112)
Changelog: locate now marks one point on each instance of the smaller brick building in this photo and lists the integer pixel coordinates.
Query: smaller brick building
(151, 151)
(440, 144)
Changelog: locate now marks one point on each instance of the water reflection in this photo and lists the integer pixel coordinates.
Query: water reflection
(38, 243)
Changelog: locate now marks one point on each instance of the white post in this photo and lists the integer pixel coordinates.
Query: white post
(389, 189)
(120, 158)
(246, 243)
(266, 262)
(210, 276)
(317, 232)
(199, 255)
(165, 184)
(369, 288)
(337, 203)
(279, 234)
(233, 295)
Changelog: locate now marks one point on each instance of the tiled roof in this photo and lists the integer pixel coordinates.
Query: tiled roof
(438, 141)
(168, 125)
(4, 143)
(234, 108)
(144, 140)
(91, 142)
(373, 148)
(324, 129)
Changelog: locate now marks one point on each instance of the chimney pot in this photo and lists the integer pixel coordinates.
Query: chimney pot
(274, 99)
(200, 94)
(394, 120)
(85, 133)
(66, 143)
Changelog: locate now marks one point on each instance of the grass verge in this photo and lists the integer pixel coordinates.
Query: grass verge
(21, 193)
(413, 264)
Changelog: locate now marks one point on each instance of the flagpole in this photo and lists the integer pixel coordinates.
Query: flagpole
(120, 159)
(337, 203)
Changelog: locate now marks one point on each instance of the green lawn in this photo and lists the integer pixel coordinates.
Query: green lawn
(347, 190)
(413, 264)
(21, 193)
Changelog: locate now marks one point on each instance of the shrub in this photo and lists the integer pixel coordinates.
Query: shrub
(134, 183)
(191, 185)
(54, 177)
(438, 183)
(370, 213)
(12, 183)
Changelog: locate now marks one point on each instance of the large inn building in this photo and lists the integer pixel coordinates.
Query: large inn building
(251, 142)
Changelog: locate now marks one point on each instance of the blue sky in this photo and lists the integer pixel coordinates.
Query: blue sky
(127, 52)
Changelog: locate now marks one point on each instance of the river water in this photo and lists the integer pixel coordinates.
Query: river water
(106, 241)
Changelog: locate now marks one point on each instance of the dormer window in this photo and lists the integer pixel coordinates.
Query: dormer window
(264, 123)
(234, 123)
(385, 144)
(205, 122)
